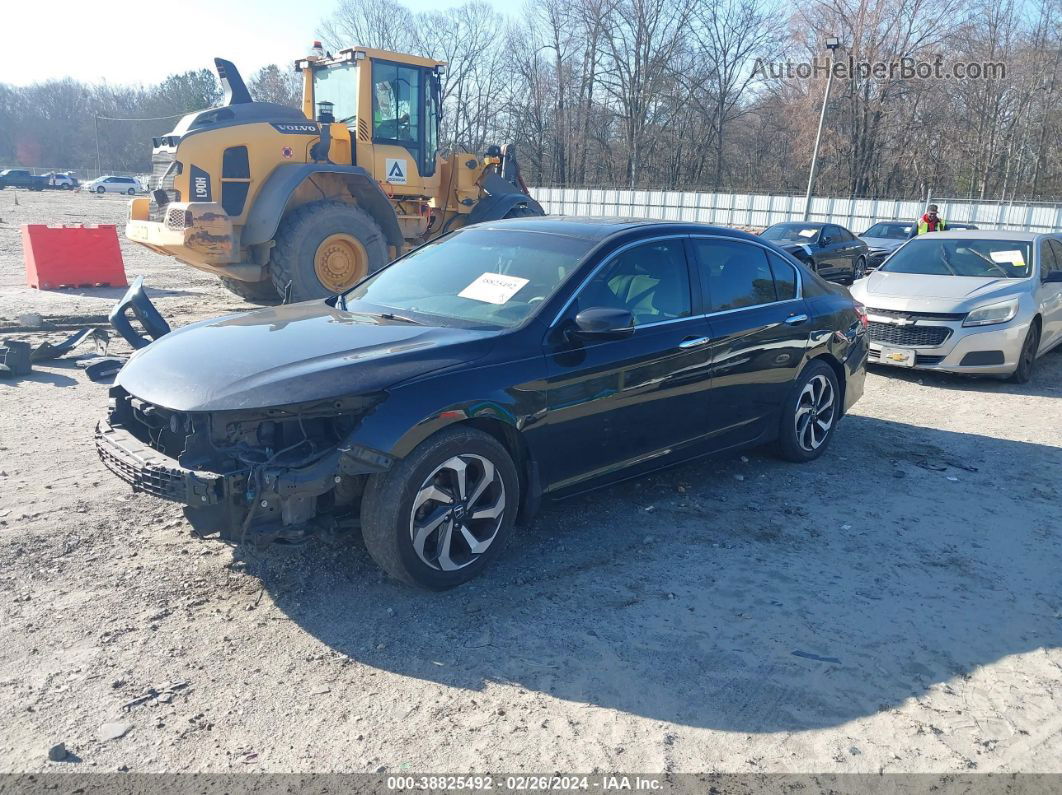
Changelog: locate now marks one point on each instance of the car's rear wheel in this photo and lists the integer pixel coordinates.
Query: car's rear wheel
(444, 512)
(810, 414)
(1027, 359)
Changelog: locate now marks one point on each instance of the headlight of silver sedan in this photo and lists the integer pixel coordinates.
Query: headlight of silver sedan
(991, 314)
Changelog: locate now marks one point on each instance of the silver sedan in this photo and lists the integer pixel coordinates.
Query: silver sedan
(973, 301)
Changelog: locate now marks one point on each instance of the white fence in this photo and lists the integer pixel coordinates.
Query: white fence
(756, 210)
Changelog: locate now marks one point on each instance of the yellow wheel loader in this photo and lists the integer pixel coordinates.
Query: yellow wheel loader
(291, 205)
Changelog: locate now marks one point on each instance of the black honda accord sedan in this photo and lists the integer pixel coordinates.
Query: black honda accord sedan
(442, 398)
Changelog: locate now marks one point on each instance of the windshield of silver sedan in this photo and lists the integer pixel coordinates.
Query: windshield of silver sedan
(491, 277)
(933, 256)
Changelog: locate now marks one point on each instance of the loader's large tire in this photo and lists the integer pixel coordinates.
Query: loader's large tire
(325, 248)
(256, 292)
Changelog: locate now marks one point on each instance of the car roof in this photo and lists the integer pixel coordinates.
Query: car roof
(598, 228)
(986, 234)
(806, 224)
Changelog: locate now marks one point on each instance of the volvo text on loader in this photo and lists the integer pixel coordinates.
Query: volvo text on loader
(293, 205)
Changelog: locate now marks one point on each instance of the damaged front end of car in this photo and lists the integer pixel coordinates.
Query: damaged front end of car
(259, 475)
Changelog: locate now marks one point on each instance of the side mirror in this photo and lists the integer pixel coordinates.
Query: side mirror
(825, 240)
(600, 323)
(1054, 277)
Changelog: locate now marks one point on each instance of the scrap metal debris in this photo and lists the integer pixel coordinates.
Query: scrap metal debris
(136, 302)
(15, 359)
(47, 350)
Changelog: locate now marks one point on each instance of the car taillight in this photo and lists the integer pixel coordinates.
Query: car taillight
(862, 312)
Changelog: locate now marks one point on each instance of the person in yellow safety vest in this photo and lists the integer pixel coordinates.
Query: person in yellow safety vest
(929, 222)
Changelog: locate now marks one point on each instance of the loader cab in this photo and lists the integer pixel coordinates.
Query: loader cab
(389, 103)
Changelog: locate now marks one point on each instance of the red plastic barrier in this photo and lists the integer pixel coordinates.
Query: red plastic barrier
(72, 256)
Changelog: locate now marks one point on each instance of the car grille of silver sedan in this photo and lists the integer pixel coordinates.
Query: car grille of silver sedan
(913, 336)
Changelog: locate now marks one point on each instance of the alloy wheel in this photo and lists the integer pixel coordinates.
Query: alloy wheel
(457, 512)
(815, 412)
(860, 269)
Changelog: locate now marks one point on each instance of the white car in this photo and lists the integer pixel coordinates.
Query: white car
(111, 184)
(981, 302)
(62, 181)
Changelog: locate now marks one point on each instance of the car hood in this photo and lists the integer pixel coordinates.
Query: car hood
(291, 354)
(946, 294)
(885, 243)
(795, 248)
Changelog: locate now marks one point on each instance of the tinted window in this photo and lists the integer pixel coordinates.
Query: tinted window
(1050, 257)
(734, 274)
(785, 277)
(836, 233)
(650, 280)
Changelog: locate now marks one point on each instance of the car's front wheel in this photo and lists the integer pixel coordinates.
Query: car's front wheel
(810, 414)
(100, 189)
(131, 192)
(1027, 359)
(444, 512)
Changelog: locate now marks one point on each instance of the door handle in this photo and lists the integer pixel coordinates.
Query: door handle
(693, 342)
(796, 320)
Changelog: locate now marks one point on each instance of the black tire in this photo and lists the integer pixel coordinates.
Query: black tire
(100, 190)
(860, 269)
(792, 441)
(131, 192)
(387, 510)
(263, 292)
(1027, 359)
(304, 229)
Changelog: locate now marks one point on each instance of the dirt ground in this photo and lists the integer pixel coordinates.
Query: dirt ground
(895, 606)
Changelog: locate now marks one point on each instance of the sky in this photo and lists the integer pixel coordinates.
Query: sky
(127, 41)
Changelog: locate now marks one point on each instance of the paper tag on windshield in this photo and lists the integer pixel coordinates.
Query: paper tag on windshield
(1015, 258)
(808, 232)
(493, 288)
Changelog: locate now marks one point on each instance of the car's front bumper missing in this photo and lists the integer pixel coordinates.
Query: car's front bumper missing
(148, 471)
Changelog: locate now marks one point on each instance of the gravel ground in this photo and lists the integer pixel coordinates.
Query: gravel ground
(894, 606)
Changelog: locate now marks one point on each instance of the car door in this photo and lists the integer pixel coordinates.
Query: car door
(616, 405)
(1050, 292)
(853, 248)
(760, 328)
(833, 258)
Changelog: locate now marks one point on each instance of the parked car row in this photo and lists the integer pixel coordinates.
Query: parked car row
(24, 178)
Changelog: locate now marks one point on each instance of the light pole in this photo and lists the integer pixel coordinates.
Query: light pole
(96, 125)
(832, 43)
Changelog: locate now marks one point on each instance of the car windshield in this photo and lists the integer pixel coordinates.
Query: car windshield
(933, 256)
(890, 231)
(492, 277)
(800, 233)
